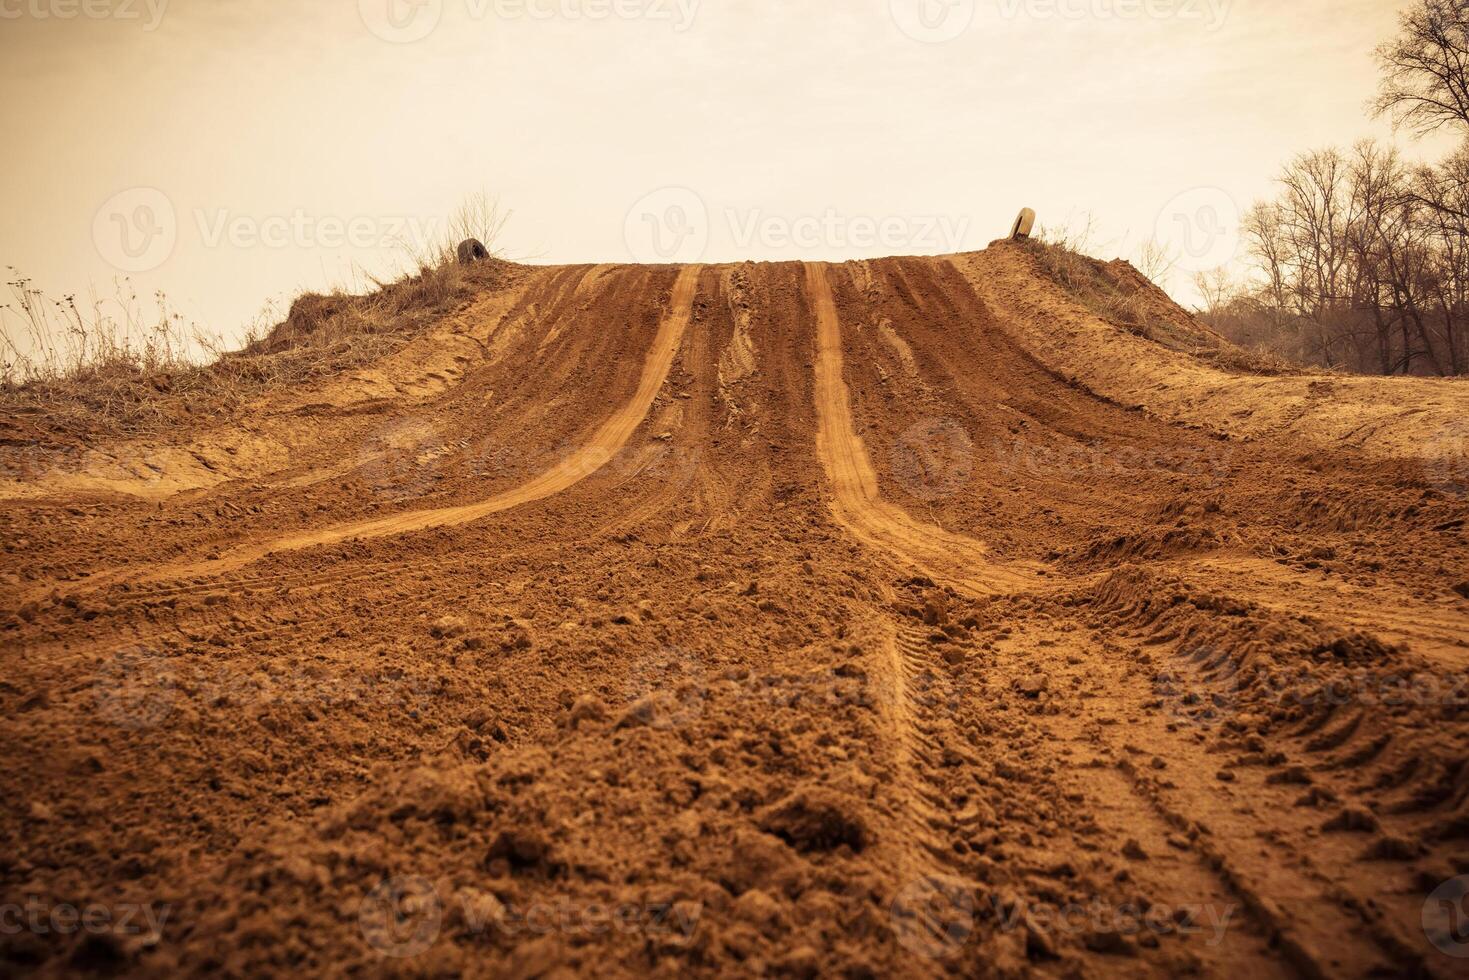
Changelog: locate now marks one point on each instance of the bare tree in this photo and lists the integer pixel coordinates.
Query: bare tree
(1443, 192)
(1155, 261)
(1312, 217)
(1425, 83)
(1384, 242)
(1216, 288)
(1361, 260)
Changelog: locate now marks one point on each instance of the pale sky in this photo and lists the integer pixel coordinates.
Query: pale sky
(232, 152)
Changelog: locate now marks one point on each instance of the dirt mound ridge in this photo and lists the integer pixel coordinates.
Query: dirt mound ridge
(901, 617)
(1123, 296)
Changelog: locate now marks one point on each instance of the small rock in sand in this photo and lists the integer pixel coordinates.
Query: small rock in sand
(1033, 685)
(1109, 941)
(816, 819)
(801, 963)
(522, 848)
(758, 908)
(936, 609)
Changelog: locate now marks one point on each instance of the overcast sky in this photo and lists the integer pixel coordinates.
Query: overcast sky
(231, 152)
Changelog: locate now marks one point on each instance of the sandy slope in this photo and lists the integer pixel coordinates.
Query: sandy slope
(897, 617)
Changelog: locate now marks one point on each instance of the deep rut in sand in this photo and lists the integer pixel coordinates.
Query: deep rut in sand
(571, 469)
(857, 500)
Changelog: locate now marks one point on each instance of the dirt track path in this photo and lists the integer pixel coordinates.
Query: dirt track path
(578, 464)
(604, 444)
(1289, 908)
(858, 503)
(803, 613)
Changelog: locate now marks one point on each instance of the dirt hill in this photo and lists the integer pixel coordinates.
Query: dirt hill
(969, 615)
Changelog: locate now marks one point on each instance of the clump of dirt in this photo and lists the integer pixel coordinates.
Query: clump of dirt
(816, 820)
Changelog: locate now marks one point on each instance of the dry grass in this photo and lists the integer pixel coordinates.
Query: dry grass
(110, 369)
(1087, 280)
(402, 307)
(109, 362)
(46, 339)
(1119, 294)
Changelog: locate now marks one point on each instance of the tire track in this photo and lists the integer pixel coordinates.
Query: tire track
(1165, 860)
(1303, 909)
(857, 501)
(1385, 609)
(1160, 772)
(598, 450)
(933, 910)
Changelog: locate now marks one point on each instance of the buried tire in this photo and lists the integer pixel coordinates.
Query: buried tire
(471, 250)
(1024, 225)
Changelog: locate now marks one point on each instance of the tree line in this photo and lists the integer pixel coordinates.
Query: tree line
(1362, 260)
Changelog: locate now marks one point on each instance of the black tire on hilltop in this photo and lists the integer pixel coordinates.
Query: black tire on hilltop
(471, 250)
